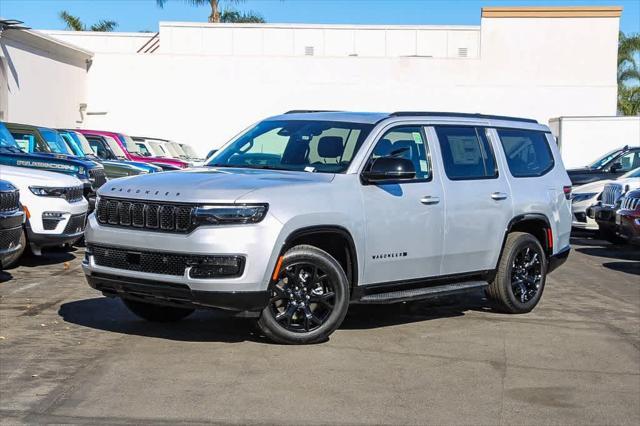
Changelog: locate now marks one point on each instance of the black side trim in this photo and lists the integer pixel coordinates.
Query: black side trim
(403, 285)
(556, 260)
(352, 261)
(169, 294)
(459, 115)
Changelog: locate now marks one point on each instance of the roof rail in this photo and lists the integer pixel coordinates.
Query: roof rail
(308, 111)
(459, 114)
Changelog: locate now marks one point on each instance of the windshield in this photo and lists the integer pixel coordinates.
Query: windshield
(631, 174)
(177, 148)
(129, 144)
(82, 142)
(189, 151)
(72, 144)
(158, 149)
(7, 142)
(115, 147)
(602, 161)
(55, 142)
(301, 145)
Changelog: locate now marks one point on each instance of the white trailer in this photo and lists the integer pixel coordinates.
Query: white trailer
(583, 139)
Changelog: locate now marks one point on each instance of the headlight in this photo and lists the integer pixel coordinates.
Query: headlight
(580, 197)
(43, 191)
(230, 214)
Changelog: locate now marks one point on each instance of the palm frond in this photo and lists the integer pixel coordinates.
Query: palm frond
(104, 26)
(73, 22)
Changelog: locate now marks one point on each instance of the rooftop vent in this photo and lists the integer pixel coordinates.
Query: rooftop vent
(309, 50)
(463, 52)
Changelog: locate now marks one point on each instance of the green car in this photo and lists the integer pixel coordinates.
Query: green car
(114, 167)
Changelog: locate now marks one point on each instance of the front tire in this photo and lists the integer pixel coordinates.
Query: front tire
(157, 313)
(520, 279)
(308, 301)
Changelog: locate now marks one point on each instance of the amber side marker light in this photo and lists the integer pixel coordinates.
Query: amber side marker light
(276, 272)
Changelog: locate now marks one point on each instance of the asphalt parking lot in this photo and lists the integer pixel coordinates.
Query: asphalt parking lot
(69, 355)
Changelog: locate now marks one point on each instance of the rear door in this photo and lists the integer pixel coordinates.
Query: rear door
(478, 199)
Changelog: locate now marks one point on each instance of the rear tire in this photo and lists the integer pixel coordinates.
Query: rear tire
(310, 299)
(157, 313)
(520, 279)
(10, 260)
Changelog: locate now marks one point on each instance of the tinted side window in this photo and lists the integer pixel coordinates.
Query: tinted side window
(466, 153)
(405, 142)
(527, 151)
(629, 161)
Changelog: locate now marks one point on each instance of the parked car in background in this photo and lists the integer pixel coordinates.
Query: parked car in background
(191, 153)
(609, 166)
(584, 196)
(150, 148)
(305, 213)
(53, 203)
(38, 155)
(114, 168)
(133, 153)
(12, 239)
(628, 218)
(604, 211)
(164, 148)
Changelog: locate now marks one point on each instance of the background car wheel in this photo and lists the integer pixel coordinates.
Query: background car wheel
(308, 301)
(521, 274)
(10, 260)
(157, 313)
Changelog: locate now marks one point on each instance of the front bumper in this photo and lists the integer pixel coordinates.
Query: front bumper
(179, 295)
(604, 216)
(629, 226)
(10, 232)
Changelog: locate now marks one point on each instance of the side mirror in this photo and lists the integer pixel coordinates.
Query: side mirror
(387, 169)
(615, 167)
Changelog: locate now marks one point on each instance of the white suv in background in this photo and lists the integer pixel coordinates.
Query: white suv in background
(307, 212)
(53, 203)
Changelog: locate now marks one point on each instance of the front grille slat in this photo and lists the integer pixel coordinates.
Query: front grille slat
(9, 201)
(150, 262)
(74, 194)
(97, 177)
(76, 224)
(164, 217)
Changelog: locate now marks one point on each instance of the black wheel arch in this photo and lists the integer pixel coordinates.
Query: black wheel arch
(535, 224)
(343, 248)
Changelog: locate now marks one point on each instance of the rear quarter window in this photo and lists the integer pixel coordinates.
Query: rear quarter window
(528, 153)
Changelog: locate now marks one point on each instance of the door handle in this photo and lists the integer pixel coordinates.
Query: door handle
(499, 196)
(429, 200)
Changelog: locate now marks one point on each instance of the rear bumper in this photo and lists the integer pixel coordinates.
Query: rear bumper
(556, 260)
(180, 295)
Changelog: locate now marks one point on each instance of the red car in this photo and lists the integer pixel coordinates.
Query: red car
(628, 218)
(133, 152)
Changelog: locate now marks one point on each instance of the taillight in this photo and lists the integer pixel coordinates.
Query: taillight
(549, 238)
(567, 192)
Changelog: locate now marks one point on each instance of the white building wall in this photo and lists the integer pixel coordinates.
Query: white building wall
(44, 80)
(101, 42)
(207, 82)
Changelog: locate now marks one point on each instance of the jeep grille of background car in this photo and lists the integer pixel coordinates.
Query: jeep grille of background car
(630, 203)
(611, 193)
(97, 177)
(9, 201)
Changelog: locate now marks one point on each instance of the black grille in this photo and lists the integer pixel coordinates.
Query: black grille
(97, 177)
(74, 194)
(10, 238)
(143, 215)
(50, 224)
(141, 261)
(153, 262)
(9, 201)
(76, 224)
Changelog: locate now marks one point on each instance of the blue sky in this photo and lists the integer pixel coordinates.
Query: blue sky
(137, 15)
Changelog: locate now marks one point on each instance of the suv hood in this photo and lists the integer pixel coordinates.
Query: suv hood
(23, 177)
(203, 185)
(49, 162)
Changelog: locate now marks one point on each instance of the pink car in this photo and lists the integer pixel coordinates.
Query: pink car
(132, 151)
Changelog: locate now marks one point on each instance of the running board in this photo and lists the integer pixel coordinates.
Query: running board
(422, 293)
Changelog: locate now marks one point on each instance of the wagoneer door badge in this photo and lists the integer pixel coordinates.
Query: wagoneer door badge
(389, 255)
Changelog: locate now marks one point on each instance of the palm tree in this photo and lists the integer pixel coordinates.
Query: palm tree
(75, 24)
(629, 74)
(235, 17)
(214, 4)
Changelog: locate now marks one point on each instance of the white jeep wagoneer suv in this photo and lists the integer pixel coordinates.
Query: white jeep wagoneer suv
(307, 212)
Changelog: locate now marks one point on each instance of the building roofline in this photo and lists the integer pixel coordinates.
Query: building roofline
(44, 42)
(552, 12)
(321, 26)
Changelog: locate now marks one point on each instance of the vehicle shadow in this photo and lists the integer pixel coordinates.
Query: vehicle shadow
(5, 276)
(362, 317)
(109, 314)
(50, 256)
(628, 267)
(612, 252)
